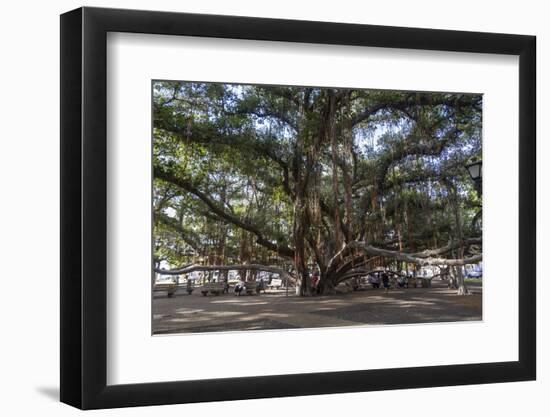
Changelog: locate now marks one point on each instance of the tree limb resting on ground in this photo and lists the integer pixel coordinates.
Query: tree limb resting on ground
(187, 269)
(362, 272)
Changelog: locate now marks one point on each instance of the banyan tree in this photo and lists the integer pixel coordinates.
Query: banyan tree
(295, 179)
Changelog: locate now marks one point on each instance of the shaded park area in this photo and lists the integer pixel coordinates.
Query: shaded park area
(362, 206)
(275, 309)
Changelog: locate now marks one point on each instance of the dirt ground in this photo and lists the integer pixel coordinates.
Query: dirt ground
(274, 310)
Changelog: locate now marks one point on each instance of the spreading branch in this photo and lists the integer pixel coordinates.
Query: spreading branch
(411, 258)
(187, 269)
(221, 212)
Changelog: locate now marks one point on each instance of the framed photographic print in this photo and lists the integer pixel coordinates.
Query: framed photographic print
(256, 208)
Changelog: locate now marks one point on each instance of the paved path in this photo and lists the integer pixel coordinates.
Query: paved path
(195, 313)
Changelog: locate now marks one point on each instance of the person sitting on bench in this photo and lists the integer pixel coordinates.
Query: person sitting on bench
(239, 287)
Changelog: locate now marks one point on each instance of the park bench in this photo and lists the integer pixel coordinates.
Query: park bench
(215, 288)
(251, 288)
(169, 287)
(276, 283)
(425, 282)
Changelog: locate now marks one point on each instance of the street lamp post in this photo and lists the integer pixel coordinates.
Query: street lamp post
(475, 171)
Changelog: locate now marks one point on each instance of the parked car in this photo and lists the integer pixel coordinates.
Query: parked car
(474, 273)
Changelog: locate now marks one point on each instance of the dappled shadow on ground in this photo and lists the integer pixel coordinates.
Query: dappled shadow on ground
(401, 312)
(263, 324)
(195, 313)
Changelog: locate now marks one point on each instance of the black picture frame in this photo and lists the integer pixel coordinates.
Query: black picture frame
(84, 207)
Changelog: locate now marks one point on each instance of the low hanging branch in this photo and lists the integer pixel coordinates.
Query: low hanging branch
(168, 272)
(426, 257)
(363, 272)
(446, 249)
(412, 258)
(187, 269)
(354, 263)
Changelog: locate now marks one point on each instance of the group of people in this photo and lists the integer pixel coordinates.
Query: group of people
(378, 278)
(241, 286)
(382, 278)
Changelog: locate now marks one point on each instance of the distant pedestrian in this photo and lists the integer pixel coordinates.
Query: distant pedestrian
(386, 281)
(314, 279)
(401, 281)
(374, 279)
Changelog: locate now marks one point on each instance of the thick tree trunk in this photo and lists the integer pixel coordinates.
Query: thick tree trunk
(453, 282)
(326, 285)
(462, 289)
(327, 281)
(301, 272)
